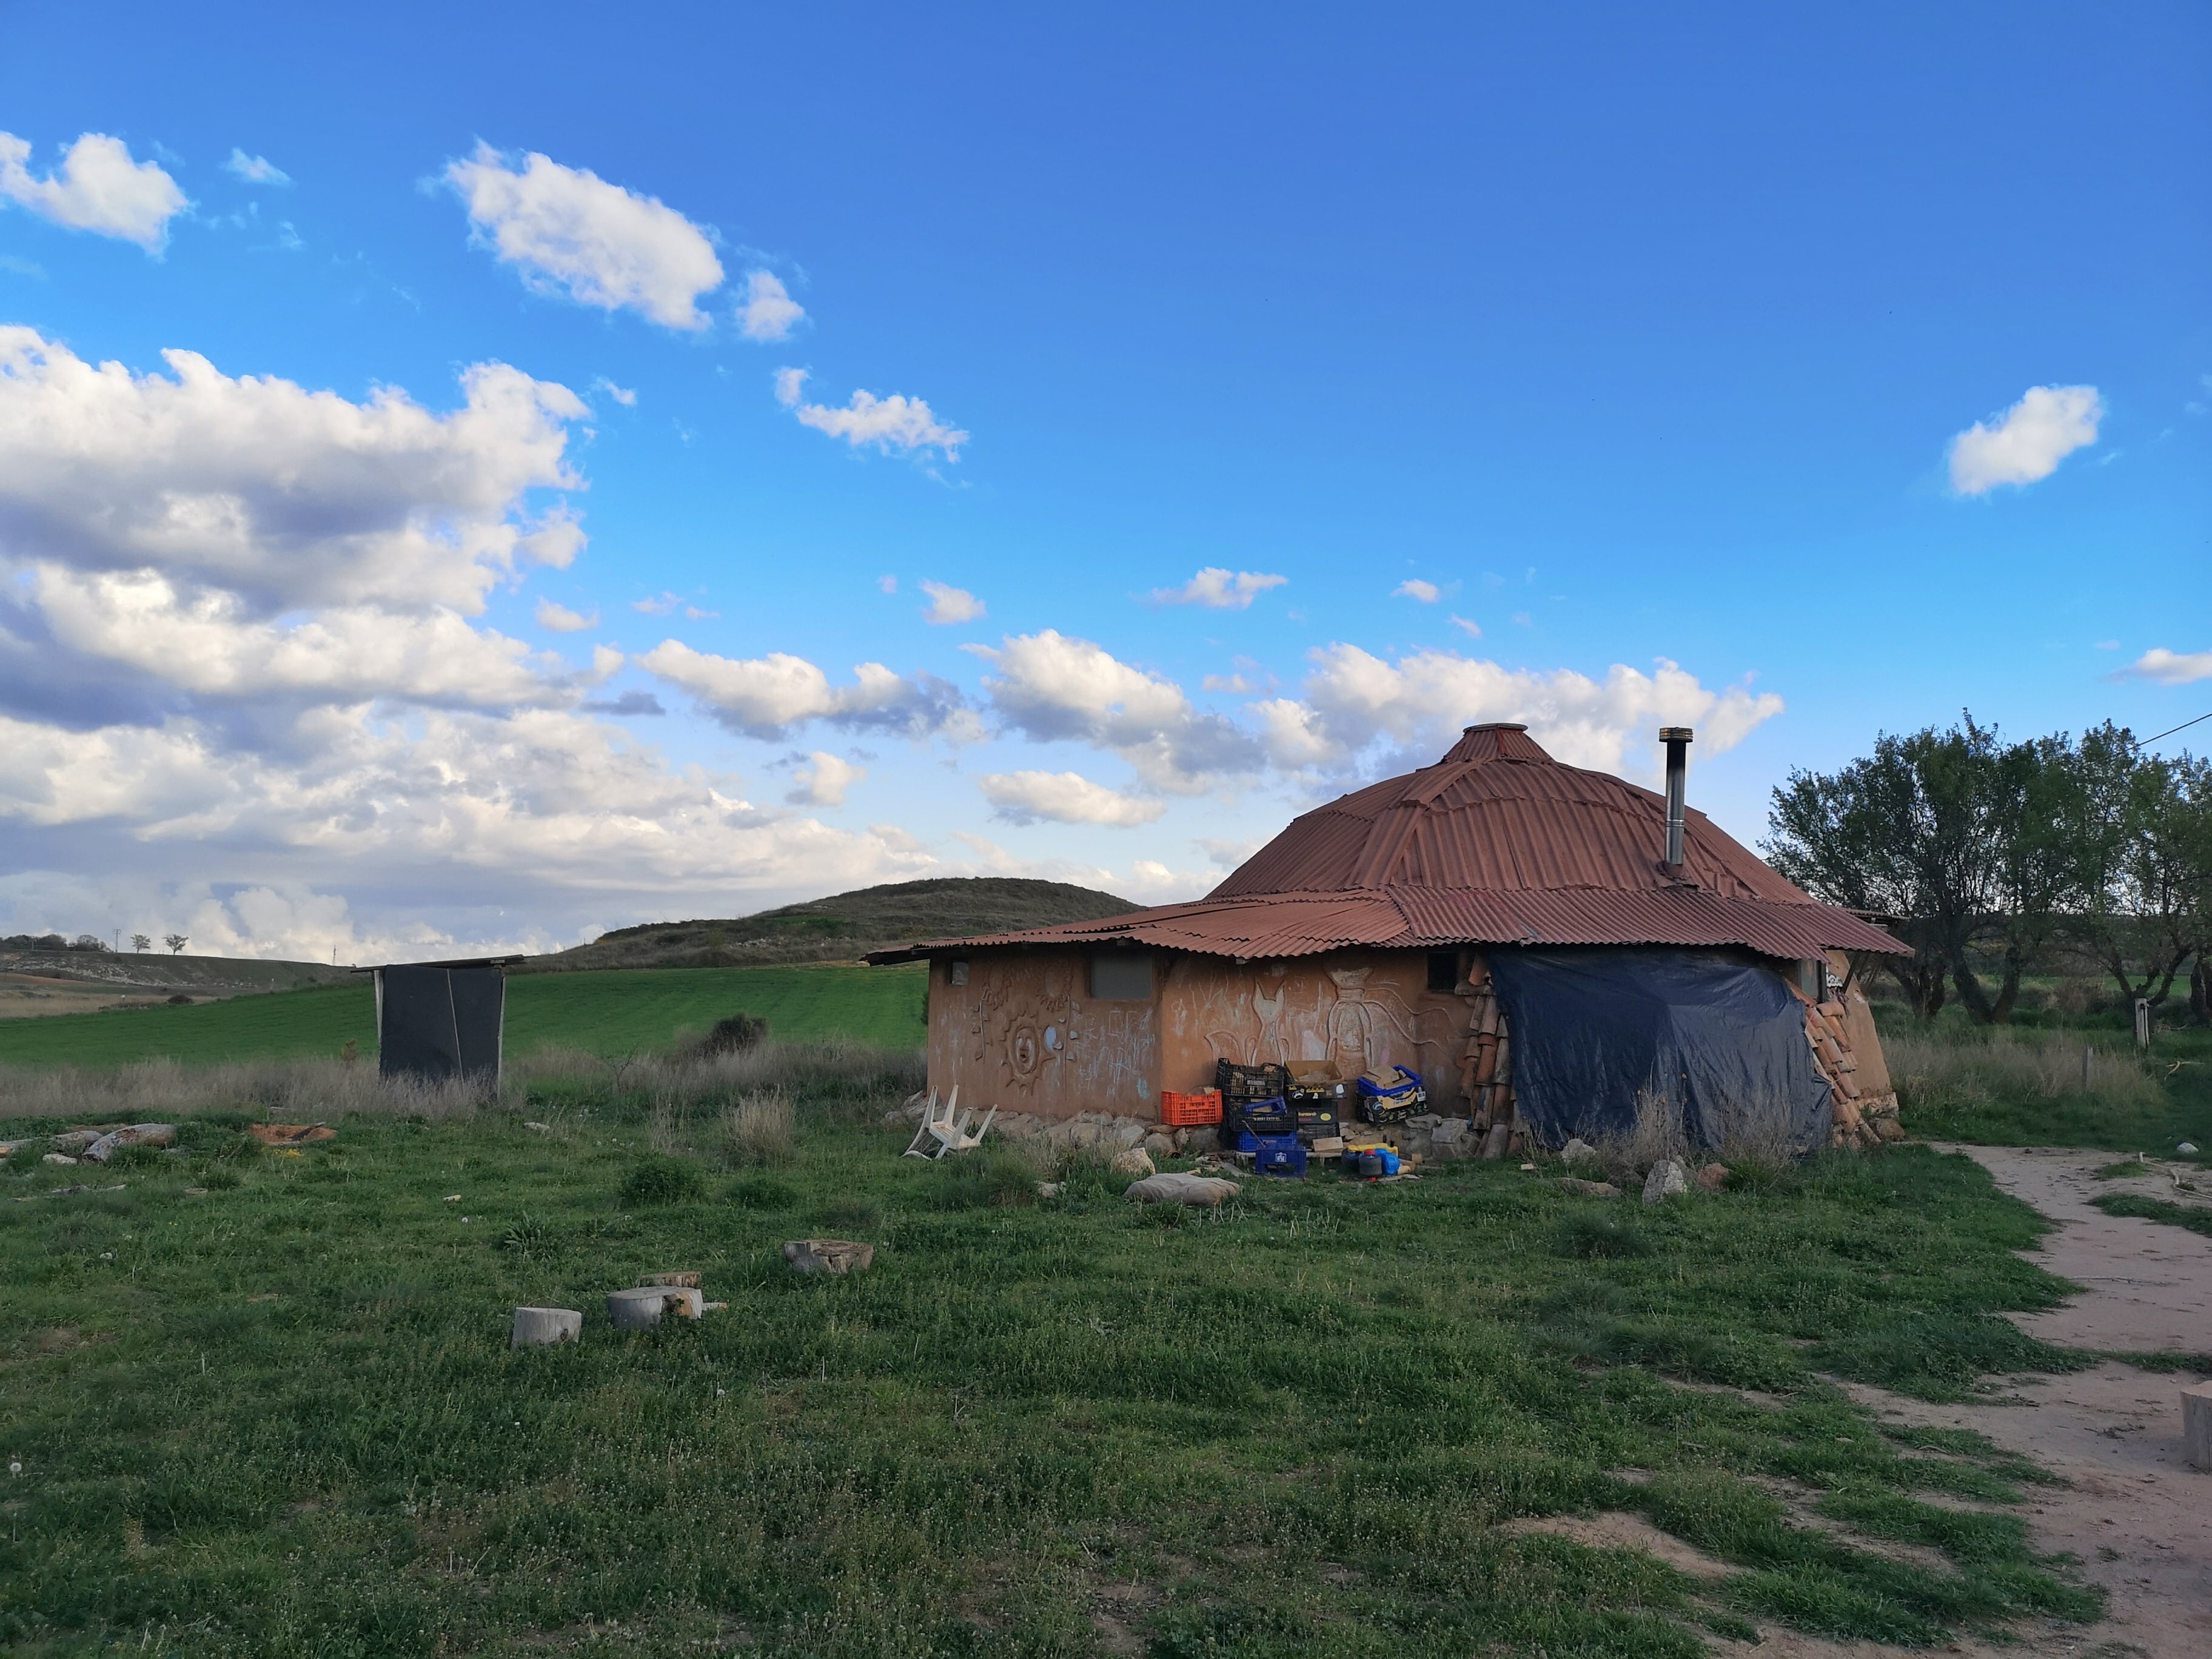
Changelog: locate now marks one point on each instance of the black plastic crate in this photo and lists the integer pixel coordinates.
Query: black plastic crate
(1272, 1117)
(1241, 1084)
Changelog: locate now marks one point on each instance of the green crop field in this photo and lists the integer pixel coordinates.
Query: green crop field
(609, 1011)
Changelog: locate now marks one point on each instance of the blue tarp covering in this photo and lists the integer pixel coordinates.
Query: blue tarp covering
(1716, 1040)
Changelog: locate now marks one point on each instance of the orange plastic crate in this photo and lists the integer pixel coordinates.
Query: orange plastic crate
(1179, 1109)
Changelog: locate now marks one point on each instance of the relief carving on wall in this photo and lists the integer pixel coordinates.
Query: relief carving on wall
(1335, 1015)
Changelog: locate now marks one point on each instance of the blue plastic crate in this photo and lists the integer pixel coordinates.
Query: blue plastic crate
(1289, 1160)
(1248, 1142)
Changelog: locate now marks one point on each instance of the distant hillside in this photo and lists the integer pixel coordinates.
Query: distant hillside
(841, 928)
(159, 970)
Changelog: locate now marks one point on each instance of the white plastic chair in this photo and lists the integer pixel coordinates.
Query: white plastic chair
(954, 1132)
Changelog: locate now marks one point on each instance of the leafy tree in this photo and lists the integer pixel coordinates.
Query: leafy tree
(139, 941)
(2140, 846)
(176, 942)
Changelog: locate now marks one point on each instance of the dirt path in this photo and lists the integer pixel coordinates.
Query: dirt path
(2137, 1515)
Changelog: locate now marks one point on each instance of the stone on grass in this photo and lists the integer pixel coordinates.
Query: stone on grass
(644, 1306)
(1134, 1161)
(1201, 1191)
(135, 1135)
(535, 1326)
(1713, 1178)
(1201, 1139)
(74, 1141)
(828, 1255)
(1159, 1144)
(1578, 1151)
(58, 1158)
(1665, 1181)
(2187, 1148)
(1589, 1188)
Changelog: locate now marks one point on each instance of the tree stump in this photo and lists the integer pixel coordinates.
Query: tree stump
(643, 1308)
(535, 1325)
(828, 1255)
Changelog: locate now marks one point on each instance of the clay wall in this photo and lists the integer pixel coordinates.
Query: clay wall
(1023, 1035)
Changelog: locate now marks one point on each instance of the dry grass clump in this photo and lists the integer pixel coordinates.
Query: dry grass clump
(760, 1126)
(1987, 1065)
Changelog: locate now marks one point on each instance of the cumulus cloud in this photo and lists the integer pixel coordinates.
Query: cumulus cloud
(769, 697)
(887, 583)
(1222, 590)
(283, 496)
(896, 422)
(621, 395)
(255, 169)
(1051, 687)
(948, 604)
(1227, 854)
(824, 780)
(1472, 629)
(568, 230)
(98, 187)
(2027, 441)
(1353, 699)
(561, 620)
(1414, 588)
(1064, 798)
(2172, 667)
(767, 312)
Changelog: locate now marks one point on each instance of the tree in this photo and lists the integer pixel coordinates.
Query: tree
(176, 942)
(2140, 847)
(139, 941)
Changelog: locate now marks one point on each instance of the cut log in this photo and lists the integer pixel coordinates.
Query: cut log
(828, 1255)
(534, 1327)
(686, 1280)
(644, 1306)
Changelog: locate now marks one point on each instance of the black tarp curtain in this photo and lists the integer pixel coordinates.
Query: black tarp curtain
(1716, 1042)
(438, 1023)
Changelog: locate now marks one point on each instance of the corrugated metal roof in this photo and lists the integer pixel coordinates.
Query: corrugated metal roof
(1496, 844)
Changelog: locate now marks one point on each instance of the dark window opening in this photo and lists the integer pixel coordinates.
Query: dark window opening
(1443, 970)
(1121, 976)
(957, 974)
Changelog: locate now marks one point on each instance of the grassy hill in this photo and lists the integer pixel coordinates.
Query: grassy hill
(843, 927)
(605, 1012)
(160, 971)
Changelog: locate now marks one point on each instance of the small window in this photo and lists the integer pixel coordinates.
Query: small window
(1121, 976)
(1443, 970)
(958, 972)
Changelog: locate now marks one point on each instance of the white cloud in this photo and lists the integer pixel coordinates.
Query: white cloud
(1227, 854)
(768, 696)
(255, 169)
(561, 620)
(2172, 667)
(949, 604)
(1223, 589)
(887, 583)
(1234, 683)
(621, 395)
(1353, 699)
(767, 312)
(1472, 629)
(1051, 687)
(568, 229)
(1064, 798)
(98, 187)
(824, 780)
(1414, 588)
(2027, 441)
(656, 605)
(896, 423)
(283, 496)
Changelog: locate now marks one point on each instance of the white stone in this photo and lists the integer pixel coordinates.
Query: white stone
(1160, 1145)
(637, 1310)
(1666, 1179)
(535, 1326)
(1136, 1161)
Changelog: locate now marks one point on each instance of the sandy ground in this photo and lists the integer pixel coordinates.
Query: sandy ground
(2137, 1515)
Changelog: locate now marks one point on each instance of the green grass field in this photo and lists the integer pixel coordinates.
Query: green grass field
(607, 1012)
(278, 1416)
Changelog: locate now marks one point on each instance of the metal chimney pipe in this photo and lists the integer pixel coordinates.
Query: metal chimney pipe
(1677, 740)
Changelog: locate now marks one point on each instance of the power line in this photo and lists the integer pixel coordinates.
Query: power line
(2171, 730)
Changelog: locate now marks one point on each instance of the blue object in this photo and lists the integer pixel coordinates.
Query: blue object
(1248, 1142)
(1408, 1080)
(1373, 1162)
(1289, 1160)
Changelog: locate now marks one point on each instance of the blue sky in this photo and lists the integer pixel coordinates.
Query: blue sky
(1799, 378)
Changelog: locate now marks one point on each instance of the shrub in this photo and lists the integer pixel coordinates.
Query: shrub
(1580, 1233)
(662, 1181)
(733, 1036)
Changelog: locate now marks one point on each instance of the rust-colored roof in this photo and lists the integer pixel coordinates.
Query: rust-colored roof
(1497, 843)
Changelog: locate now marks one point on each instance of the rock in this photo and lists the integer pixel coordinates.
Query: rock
(135, 1134)
(1134, 1161)
(1200, 1191)
(1713, 1177)
(686, 1280)
(1589, 1188)
(1578, 1151)
(1665, 1181)
(2197, 1424)
(644, 1306)
(1493, 1145)
(1888, 1127)
(58, 1158)
(1051, 1188)
(1201, 1140)
(1453, 1137)
(1422, 1121)
(2187, 1149)
(1125, 1131)
(535, 1326)
(1159, 1145)
(542, 1128)
(828, 1255)
(74, 1141)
